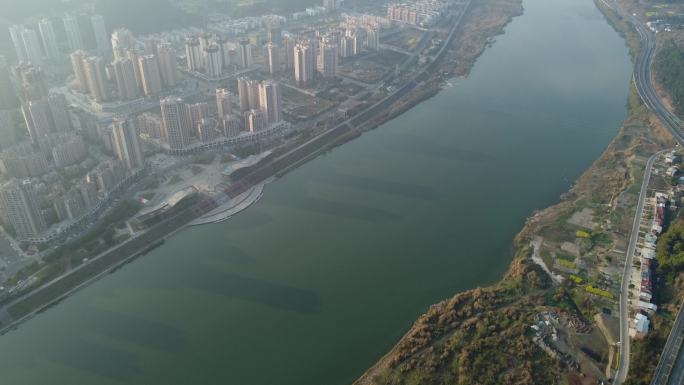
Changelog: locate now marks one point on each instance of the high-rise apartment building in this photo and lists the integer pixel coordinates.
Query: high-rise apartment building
(372, 38)
(224, 48)
(122, 40)
(124, 74)
(78, 67)
(149, 73)
(206, 130)
(253, 94)
(95, 75)
(47, 34)
(101, 36)
(37, 118)
(175, 123)
(270, 100)
(232, 125)
(168, 65)
(204, 40)
(73, 33)
(245, 50)
(135, 55)
(304, 63)
(27, 45)
(8, 96)
(126, 143)
(68, 150)
(272, 58)
(195, 113)
(20, 210)
(151, 46)
(33, 82)
(248, 94)
(59, 111)
(289, 43)
(347, 46)
(193, 54)
(23, 161)
(274, 31)
(223, 102)
(327, 59)
(243, 94)
(256, 121)
(213, 61)
(18, 42)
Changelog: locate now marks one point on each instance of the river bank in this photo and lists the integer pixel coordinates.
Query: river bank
(482, 336)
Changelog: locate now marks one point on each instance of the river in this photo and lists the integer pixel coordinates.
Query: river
(320, 278)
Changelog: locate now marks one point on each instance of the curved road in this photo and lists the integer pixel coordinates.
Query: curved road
(644, 84)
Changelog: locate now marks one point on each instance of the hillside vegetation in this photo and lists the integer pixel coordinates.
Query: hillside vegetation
(477, 337)
(669, 71)
(670, 251)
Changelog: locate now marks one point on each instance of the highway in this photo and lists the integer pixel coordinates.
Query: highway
(644, 85)
(670, 369)
(644, 82)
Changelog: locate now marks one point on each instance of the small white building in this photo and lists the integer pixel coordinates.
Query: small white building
(641, 324)
(647, 307)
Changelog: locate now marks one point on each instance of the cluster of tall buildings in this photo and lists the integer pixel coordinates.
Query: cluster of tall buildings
(182, 124)
(39, 44)
(77, 201)
(119, 70)
(212, 55)
(259, 102)
(30, 200)
(44, 112)
(21, 210)
(74, 203)
(136, 71)
(420, 12)
(30, 204)
(316, 54)
(25, 160)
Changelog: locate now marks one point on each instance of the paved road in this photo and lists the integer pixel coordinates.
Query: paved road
(644, 83)
(648, 94)
(623, 367)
